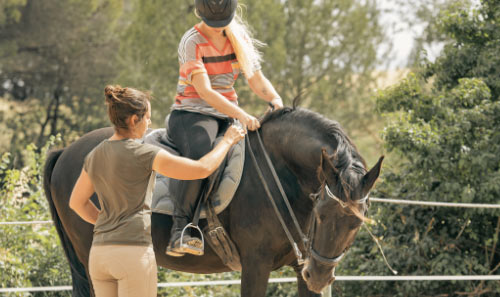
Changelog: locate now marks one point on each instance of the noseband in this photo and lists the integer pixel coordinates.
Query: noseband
(306, 240)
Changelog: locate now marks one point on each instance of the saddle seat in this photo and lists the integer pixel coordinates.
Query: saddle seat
(165, 189)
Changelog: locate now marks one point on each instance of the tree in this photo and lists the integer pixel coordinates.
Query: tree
(443, 123)
(56, 59)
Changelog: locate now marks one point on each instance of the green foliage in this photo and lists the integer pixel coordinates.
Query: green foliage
(443, 123)
(10, 11)
(29, 254)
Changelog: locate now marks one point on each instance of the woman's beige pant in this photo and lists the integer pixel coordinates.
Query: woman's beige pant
(123, 270)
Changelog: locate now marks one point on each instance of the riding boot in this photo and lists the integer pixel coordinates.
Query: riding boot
(184, 208)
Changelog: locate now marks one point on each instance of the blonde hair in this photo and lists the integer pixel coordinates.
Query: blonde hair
(244, 45)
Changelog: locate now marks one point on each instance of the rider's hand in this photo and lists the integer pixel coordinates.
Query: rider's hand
(250, 122)
(277, 103)
(234, 134)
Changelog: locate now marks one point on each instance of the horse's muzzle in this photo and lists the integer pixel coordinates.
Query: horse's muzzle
(316, 282)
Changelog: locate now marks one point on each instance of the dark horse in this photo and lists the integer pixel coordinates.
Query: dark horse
(321, 172)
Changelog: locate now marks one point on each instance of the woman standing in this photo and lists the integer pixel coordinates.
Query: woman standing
(122, 173)
(211, 55)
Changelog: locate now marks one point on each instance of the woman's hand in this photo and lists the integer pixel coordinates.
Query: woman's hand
(187, 169)
(234, 134)
(249, 122)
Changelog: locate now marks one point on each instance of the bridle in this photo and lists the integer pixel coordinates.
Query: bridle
(307, 241)
(325, 261)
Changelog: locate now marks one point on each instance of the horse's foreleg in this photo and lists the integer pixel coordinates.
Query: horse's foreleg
(254, 277)
(301, 284)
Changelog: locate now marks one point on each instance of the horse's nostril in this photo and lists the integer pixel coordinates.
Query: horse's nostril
(307, 275)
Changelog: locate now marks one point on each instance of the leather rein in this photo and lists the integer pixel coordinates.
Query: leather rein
(305, 240)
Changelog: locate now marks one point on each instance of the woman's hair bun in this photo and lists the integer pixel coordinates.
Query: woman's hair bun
(109, 89)
(112, 92)
(123, 103)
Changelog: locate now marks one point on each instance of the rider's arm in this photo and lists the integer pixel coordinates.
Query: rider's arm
(188, 169)
(202, 85)
(80, 199)
(261, 86)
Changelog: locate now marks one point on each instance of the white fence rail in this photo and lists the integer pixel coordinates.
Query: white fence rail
(287, 280)
(372, 199)
(430, 203)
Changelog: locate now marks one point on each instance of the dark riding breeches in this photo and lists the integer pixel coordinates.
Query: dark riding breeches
(194, 135)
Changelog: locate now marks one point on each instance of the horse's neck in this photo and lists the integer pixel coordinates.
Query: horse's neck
(296, 163)
(298, 149)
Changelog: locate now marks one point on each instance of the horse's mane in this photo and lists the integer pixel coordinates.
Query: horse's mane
(347, 160)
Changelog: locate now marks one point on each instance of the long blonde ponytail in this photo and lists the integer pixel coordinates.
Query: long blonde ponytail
(245, 47)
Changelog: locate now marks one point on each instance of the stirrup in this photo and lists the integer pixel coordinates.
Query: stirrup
(186, 247)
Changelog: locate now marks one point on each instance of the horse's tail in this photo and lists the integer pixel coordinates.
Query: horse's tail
(79, 277)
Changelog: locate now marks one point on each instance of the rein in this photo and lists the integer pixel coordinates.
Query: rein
(296, 250)
(306, 240)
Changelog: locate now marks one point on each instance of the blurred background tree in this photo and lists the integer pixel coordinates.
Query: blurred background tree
(55, 57)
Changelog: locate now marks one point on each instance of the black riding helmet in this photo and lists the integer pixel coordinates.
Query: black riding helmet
(216, 13)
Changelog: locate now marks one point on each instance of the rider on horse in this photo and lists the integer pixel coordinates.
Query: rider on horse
(211, 55)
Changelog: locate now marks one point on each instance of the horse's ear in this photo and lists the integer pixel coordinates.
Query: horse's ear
(371, 176)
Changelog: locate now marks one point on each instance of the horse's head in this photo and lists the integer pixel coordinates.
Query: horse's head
(339, 209)
(323, 161)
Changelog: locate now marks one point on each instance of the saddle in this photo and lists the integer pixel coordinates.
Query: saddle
(217, 195)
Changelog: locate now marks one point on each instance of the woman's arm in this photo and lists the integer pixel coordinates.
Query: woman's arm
(261, 86)
(202, 85)
(80, 199)
(188, 169)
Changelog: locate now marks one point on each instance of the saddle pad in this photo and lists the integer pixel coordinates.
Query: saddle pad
(164, 190)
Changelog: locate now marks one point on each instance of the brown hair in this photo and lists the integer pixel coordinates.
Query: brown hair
(123, 103)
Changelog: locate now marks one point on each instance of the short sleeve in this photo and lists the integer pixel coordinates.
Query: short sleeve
(190, 59)
(145, 154)
(87, 161)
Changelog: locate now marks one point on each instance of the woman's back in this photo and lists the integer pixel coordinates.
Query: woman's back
(122, 175)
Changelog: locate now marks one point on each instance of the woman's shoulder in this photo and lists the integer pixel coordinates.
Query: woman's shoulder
(192, 36)
(138, 147)
(97, 148)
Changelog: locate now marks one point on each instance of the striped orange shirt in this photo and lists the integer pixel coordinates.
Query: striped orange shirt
(197, 54)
